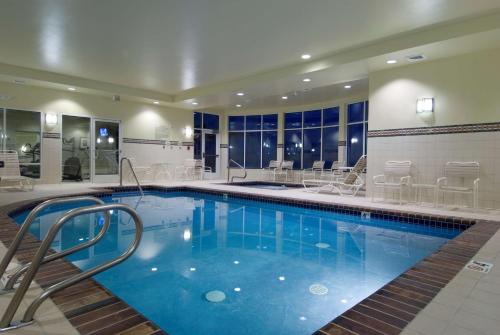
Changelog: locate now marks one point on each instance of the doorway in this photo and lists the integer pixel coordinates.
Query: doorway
(106, 150)
(75, 149)
(206, 148)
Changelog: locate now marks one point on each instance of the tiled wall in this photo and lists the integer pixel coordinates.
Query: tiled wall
(429, 153)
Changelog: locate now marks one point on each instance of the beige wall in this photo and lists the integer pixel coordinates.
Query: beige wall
(465, 88)
(138, 120)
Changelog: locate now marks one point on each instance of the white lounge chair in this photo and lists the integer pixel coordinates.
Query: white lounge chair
(267, 172)
(284, 170)
(461, 178)
(315, 171)
(397, 176)
(10, 172)
(350, 185)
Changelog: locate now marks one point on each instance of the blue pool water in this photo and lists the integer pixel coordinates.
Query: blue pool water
(282, 269)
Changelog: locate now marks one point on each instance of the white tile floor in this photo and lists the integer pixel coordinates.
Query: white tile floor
(469, 304)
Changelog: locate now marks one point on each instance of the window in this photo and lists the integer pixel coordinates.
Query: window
(357, 128)
(203, 121)
(21, 131)
(252, 140)
(311, 136)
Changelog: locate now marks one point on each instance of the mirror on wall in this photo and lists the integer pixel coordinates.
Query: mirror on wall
(75, 148)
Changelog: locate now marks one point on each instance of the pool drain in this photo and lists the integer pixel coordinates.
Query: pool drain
(322, 245)
(215, 296)
(318, 289)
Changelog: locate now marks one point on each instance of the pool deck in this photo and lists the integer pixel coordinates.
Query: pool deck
(423, 301)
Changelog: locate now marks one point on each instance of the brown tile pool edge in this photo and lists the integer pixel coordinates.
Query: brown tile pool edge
(88, 306)
(92, 309)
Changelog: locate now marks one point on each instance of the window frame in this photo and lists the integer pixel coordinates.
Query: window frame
(302, 128)
(365, 127)
(245, 131)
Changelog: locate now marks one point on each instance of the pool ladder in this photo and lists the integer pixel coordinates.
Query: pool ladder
(30, 269)
(126, 159)
(229, 171)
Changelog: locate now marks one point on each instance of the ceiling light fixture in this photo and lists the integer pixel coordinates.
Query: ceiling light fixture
(71, 89)
(194, 103)
(284, 97)
(306, 80)
(240, 94)
(391, 61)
(156, 102)
(238, 105)
(305, 56)
(347, 86)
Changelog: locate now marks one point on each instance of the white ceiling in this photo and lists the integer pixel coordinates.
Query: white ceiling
(169, 46)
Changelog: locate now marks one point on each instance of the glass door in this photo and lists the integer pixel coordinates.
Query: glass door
(206, 148)
(106, 151)
(75, 148)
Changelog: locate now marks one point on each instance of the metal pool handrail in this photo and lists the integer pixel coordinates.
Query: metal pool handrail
(29, 220)
(229, 171)
(5, 322)
(133, 173)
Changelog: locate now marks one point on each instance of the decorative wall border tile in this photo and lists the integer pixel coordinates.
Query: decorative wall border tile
(342, 143)
(143, 141)
(224, 146)
(51, 135)
(454, 129)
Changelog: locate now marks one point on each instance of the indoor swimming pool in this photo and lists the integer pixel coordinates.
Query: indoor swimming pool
(209, 264)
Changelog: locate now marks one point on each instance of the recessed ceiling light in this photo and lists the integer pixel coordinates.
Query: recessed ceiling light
(71, 89)
(194, 103)
(305, 56)
(19, 82)
(156, 102)
(347, 86)
(284, 97)
(391, 61)
(306, 80)
(238, 105)
(240, 94)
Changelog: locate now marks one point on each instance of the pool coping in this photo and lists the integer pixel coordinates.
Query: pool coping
(387, 311)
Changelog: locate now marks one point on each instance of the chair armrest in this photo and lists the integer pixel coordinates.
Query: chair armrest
(441, 181)
(378, 178)
(406, 180)
(476, 184)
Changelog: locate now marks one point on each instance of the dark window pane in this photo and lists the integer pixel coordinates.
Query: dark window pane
(197, 144)
(312, 119)
(236, 148)
(253, 150)
(293, 120)
(355, 112)
(269, 143)
(331, 116)
(293, 147)
(236, 123)
(330, 145)
(197, 120)
(312, 147)
(270, 121)
(211, 121)
(354, 142)
(211, 151)
(254, 122)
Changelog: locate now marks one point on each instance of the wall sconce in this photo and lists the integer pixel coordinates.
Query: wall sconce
(425, 105)
(51, 119)
(188, 132)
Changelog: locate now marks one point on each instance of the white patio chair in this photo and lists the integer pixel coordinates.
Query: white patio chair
(267, 172)
(397, 176)
(334, 172)
(314, 172)
(184, 172)
(284, 170)
(459, 178)
(350, 185)
(10, 172)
